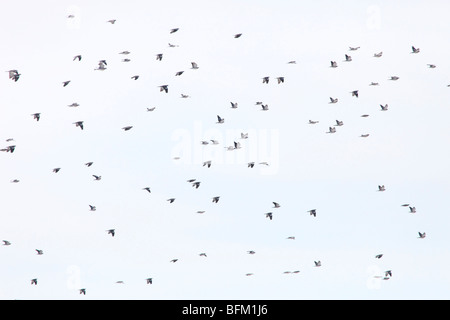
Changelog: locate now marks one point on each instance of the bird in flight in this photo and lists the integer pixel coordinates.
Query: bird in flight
(36, 116)
(333, 100)
(97, 178)
(265, 80)
(333, 64)
(56, 170)
(147, 189)
(234, 105)
(384, 108)
(381, 188)
(149, 280)
(82, 291)
(73, 105)
(135, 77)
(101, 65)
(348, 58)
(415, 50)
(378, 256)
(353, 48)
(88, 164)
(112, 232)
(79, 124)
(394, 78)
(164, 87)
(171, 200)
(65, 83)
(355, 93)
(9, 149)
(280, 80)
(312, 212)
(202, 254)
(237, 35)
(127, 128)
(179, 73)
(39, 252)
(220, 120)
(317, 263)
(34, 281)
(92, 208)
(331, 130)
(6, 243)
(412, 209)
(159, 56)
(207, 163)
(174, 30)
(112, 21)
(422, 235)
(14, 75)
(378, 55)
(215, 199)
(276, 205)
(174, 260)
(194, 65)
(269, 215)
(77, 57)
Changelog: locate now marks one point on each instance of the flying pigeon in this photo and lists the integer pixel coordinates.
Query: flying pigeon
(14, 75)
(36, 116)
(79, 124)
(312, 212)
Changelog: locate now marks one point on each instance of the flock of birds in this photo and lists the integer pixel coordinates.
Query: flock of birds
(15, 75)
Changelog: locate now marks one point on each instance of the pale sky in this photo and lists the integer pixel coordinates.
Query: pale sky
(337, 174)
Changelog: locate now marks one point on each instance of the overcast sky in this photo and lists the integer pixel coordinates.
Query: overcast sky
(337, 174)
